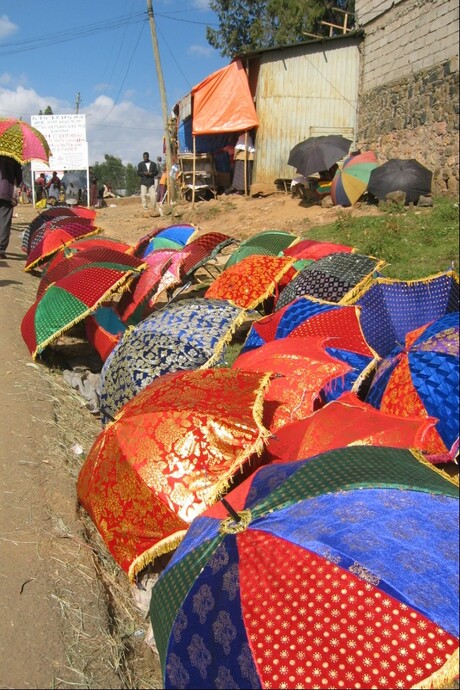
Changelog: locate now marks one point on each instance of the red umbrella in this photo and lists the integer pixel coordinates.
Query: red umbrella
(101, 256)
(33, 232)
(305, 368)
(348, 421)
(55, 237)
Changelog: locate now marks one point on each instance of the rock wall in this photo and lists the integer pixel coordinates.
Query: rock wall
(409, 97)
(416, 117)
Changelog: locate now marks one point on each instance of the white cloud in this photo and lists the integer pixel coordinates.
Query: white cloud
(123, 130)
(7, 28)
(201, 4)
(200, 50)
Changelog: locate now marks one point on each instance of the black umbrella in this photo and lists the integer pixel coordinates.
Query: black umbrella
(318, 153)
(395, 175)
(79, 179)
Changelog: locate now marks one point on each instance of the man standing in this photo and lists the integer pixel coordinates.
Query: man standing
(147, 170)
(10, 180)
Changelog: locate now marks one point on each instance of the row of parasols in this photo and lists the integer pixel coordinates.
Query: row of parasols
(301, 492)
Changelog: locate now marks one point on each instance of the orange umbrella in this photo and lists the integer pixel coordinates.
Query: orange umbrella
(304, 367)
(171, 452)
(348, 422)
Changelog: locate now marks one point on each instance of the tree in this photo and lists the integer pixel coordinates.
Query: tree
(111, 170)
(246, 25)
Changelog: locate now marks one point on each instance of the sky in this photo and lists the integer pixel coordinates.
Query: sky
(99, 54)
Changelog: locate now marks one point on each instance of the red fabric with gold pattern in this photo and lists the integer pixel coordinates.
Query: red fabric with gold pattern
(347, 421)
(250, 281)
(171, 452)
(304, 367)
(333, 630)
(313, 249)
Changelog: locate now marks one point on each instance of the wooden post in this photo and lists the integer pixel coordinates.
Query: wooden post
(245, 163)
(194, 170)
(164, 105)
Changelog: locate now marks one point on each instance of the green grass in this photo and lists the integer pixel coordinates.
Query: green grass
(414, 242)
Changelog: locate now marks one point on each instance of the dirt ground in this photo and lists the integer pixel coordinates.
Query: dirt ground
(69, 618)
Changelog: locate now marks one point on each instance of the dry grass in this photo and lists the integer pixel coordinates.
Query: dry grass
(112, 637)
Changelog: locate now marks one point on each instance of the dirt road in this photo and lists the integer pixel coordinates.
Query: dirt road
(67, 616)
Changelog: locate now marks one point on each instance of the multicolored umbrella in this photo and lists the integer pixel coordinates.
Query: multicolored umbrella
(32, 234)
(347, 421)
(335, 278)
(251, 281)
(339, 572)
(190, 334)
(391, 308)
(421, 379)
(68, 301)
(55, 237)
(133, 303)
(268, 242)
(316, 154)
(22, 142)
(172, 237)
(104, 329)
(350, 183)
(307, 317)
(203, 250)
(172, 451)
(304, 368)
(70, 260)
(405, 175)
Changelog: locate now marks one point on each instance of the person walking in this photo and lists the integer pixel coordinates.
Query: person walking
(10, 181)
(147, 170)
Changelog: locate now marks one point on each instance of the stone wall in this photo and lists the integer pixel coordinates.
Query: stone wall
(416, 117)
(409, 98)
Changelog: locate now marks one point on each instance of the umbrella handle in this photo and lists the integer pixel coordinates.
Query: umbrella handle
(231, 510)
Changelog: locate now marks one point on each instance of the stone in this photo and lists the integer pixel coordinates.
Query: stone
(398, 197)
(425, 201)
(327, 202)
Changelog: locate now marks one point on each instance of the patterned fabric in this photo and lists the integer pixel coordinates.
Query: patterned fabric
(347, 422)
(68, 302)
(189, 334)
(56, 236)
(391, 308)
(307, 317)
(304, 368)
(323, 582)
(172, 451)
(333, 278)
(22, 142)
(269, 243)
(97, 256)
(250, 281)
(422, 379)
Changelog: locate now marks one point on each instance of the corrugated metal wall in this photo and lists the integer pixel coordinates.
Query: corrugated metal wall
(303, 91)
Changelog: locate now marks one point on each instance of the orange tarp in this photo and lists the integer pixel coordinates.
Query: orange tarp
(223, 102)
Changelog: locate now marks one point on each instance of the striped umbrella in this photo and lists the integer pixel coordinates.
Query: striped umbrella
(350, 183)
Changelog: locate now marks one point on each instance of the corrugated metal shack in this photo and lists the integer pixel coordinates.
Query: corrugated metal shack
(302, 90)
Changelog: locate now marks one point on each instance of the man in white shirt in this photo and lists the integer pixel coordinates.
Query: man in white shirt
(147, 170)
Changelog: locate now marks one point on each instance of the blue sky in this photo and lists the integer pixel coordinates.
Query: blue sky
(102, 50)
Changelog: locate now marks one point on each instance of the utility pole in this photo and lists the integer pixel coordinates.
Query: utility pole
(164, 104)
(77, 102)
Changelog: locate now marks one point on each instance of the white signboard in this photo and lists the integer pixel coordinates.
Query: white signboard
(66, 136)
